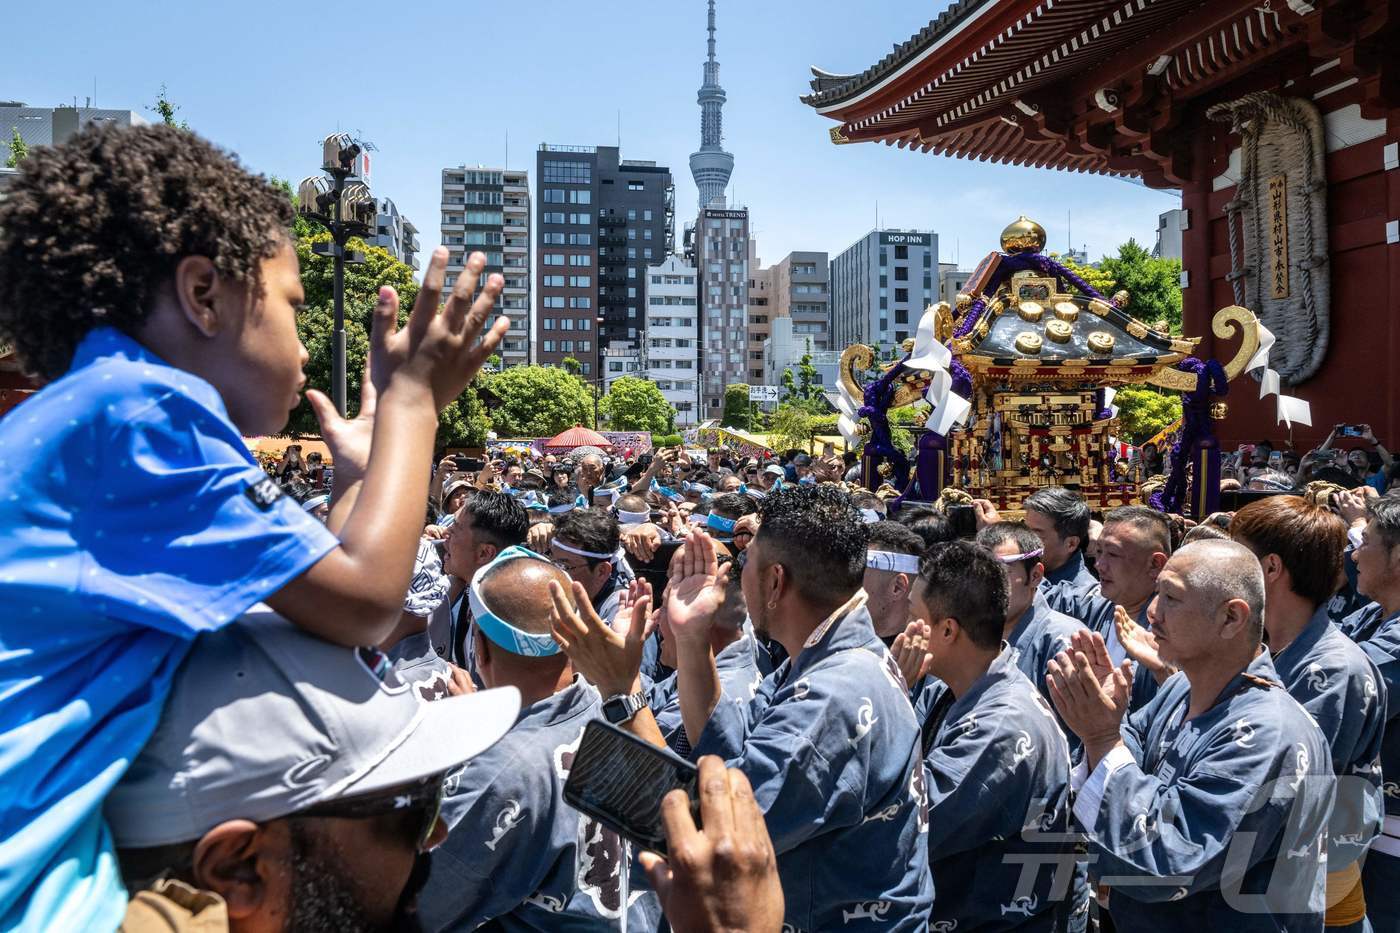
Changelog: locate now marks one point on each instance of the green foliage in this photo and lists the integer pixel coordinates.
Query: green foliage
(316, 323)
(900, 420)
(464, 423)
(166, 110)
(18, 149)
(572, 366)
(493, 362)
(1143, 411)
(634, 404)
(737, 411)
(666, 440)
(538, 401)
(302, 226)
(804, 390)
(825, 425)
(1153, 285)
(790, 426)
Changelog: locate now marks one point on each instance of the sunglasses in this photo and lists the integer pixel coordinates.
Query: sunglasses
(423, 797)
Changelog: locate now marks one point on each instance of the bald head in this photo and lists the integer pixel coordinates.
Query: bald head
(1218, 571)
(518, 592)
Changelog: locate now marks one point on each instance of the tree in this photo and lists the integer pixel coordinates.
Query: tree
(737, 410)
(537, 401)
(316, 323)
(18, 149)
(166, 109)
(1144, 411)
(634, 404)
(572, 366)
(1153, 285)
(788, 427)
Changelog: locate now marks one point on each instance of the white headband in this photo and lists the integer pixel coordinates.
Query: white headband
(1017, 558)
(891, 561)
(580, 552)
(625, 517)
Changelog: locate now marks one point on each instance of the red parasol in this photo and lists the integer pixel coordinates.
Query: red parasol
(577, 436)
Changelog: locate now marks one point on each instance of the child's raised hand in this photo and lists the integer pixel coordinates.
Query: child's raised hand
(438, 350)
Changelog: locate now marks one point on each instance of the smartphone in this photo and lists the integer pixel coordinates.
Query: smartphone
(1275, 459)
(619, 780)
(1351, 430)
(963, 520)
(469, 464)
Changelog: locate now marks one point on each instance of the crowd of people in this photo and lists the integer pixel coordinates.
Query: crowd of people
(349, 699)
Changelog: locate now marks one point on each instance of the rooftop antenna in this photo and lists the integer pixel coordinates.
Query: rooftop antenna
(507, 165)
(619, 127)
(1069, 230)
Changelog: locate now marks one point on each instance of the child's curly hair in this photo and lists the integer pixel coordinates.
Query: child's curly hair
(94, 227)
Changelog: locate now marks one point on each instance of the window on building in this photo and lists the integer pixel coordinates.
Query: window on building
(586, 368)
(928, 260)
(901, 335)
(901, 273)
(901, 294)
(580, 281)
(548, 323)
(553, 259)
(553, 301)
(483, 218)
(585, 323)
(634, 185)
(631, 252)
(554, 196)
(901, 315)
(631, 233)
(646, 233)
(571, 172)
(646, 250)
(552, 217)
(580, 259)
(901, 252)
(553, 239)
(554, 281)
(614, 366)
(884, 256)
(548, 346)
(582, 219)
(580, 239)
(581, 303)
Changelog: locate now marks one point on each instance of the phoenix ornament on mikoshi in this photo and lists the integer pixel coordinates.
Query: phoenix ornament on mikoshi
(1020, 377)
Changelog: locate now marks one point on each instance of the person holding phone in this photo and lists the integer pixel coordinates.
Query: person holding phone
(517, 854)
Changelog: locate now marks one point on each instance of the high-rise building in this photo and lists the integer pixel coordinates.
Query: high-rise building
(711, 166)
(395, 233)
(800, 283)
(761, 312)
(670, 353)
(488, 210)
(601, 221)
(722, 261)
(880, 286)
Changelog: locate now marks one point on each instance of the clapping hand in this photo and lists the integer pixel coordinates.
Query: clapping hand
(437, 351)
(1140, 645)
(1090, 694)
(722, 878)
(608, 659)
(695, 590)
(910, 650)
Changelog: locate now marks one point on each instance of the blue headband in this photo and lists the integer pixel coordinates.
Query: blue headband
(720, 523)
(666, 492)
(578, 503)
(501, 632)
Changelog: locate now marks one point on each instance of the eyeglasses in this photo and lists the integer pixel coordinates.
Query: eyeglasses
(422, 797)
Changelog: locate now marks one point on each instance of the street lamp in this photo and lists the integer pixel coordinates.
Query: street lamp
(345, 210)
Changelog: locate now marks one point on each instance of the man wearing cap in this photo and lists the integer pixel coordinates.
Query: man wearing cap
(517, 854)
(771, 478)
(998, 764)
(291, 784)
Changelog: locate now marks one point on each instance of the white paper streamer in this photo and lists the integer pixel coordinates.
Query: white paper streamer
(1109, 393)
(1288, 409)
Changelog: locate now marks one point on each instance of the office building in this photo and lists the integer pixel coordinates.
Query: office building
(784, 350)
(800, 284)
(1169, 229)
(395, 233)
(951, 282)
(601, 220)
(880, 286)
(722, 260)
(488, 210)
(670, 352)
(48, 126)
(760, 313)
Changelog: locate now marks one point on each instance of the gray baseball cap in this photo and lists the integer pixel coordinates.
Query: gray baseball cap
(265, 720)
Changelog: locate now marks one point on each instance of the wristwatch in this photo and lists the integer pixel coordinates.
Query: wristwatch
(622, 708)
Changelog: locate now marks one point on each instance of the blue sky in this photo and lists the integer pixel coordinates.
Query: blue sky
(435, 84)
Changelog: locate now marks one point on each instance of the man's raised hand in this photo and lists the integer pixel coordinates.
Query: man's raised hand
(695, 590)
